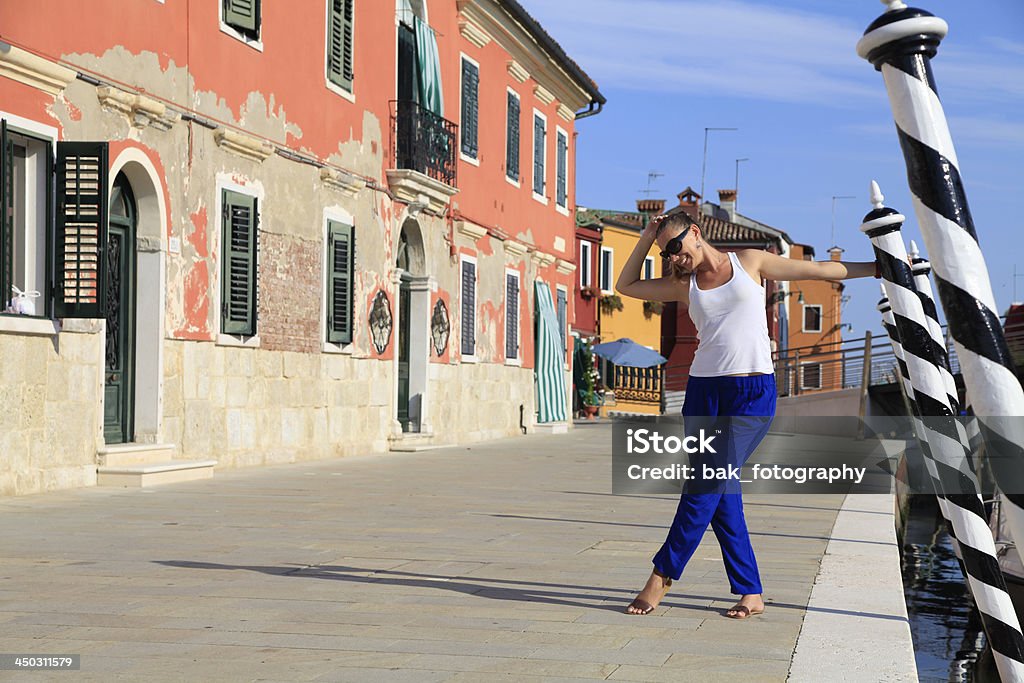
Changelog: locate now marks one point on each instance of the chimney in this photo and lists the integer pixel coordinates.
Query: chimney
(650, 207)
(727, 200)
(689, 202)
(835, 253)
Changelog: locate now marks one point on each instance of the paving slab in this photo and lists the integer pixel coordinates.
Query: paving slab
(504, 561)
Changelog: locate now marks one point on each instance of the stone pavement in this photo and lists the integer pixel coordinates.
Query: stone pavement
(503, 561)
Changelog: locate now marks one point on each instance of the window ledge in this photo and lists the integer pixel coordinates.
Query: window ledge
(338, 90)
(540, 198)
(564, 210)
(512, 181)
(28, 325)
(238, 340)
(241, 37)
(514, 362)
(473, 161)
(340, 349)
(469, 359)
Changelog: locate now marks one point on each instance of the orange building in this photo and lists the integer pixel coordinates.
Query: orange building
(815, 331)
(283, 231)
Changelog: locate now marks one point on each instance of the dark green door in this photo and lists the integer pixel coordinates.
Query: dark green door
(403, 354)
(119, 389)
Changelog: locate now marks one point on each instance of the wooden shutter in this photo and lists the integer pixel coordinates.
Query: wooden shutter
(6, 216)
(560, 164)
(511, 315)
(340, 259)
(238, 279)
(538, 155)
(80, 240)
(512, 138)
(242, 14)
(562, 313)
(470, 107)
(339, 44)
(468, 308)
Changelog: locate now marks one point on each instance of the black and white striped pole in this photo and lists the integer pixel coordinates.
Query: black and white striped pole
(963, 505)
(921, 268)
(900, 44)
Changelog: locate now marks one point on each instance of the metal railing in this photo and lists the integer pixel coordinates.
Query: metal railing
(423, 141)
(642, 385)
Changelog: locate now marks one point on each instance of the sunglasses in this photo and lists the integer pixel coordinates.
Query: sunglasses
(674, 245)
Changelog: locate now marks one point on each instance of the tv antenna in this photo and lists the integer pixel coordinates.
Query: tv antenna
(650, 178)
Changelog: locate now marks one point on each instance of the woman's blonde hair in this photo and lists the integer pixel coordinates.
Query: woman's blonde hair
(686, 221)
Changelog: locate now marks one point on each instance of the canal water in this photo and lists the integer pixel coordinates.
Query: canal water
(949, 643)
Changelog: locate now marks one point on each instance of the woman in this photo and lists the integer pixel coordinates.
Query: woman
(732, 375)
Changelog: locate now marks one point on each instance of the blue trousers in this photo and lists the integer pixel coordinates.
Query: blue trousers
(740, 410)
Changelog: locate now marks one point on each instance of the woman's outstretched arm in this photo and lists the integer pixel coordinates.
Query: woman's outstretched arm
(775, 267)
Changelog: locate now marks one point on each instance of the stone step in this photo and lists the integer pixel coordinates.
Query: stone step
(124, 454)
(551, 428)
(153, 474)
(413, 442)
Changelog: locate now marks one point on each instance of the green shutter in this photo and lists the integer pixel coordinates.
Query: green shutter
(512, 138)
(468, 308)
(470, 108)
(243, 15)
(511, 316)
(6, 216)
(80, 239)
(560, 164)
(238, 275)
(340, 259)
(339, 44)
(538, 154)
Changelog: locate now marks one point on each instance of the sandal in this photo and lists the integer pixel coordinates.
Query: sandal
(743, 612)
(644, 606)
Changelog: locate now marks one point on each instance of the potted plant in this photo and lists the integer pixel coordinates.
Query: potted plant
(653, 308)
(591, 292)
(610, 303)
(590, 399)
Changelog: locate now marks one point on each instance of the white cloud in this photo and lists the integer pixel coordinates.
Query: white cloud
(730, 48)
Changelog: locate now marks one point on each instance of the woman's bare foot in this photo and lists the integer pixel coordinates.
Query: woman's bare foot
(656, 588)
(748, 606)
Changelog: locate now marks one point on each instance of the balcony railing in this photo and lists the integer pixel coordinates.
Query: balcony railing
(423, 141)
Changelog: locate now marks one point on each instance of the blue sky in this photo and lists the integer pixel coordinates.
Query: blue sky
(813, 117)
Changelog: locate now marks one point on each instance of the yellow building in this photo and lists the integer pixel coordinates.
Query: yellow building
(636, 390)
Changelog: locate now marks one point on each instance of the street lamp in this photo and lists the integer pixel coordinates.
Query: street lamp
(736, 185)
(704, 163)
(834, 198)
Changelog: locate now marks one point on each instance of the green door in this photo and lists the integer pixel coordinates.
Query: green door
(403, 355)
(119, 389)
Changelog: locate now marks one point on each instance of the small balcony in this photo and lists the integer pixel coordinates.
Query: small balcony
(425, 154)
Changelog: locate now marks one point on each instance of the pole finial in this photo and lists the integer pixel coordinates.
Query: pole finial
(876, 195)
(893, 5)
(881, 288)
(914, 253)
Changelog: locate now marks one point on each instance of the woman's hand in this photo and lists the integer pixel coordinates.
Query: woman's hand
(651, 230)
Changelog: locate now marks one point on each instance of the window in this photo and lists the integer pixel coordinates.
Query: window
(339, 43)
(340, 261)
(244, 17)
(649, 268)
(470, 107)
(605, 275)
(561, 169)
(561, 309)
(811, 375)
(539, 154)
(468, 307)
(25, 164)
(238, 274)
(511, 315)
(812, 318)
(585, 261)
(512, 138)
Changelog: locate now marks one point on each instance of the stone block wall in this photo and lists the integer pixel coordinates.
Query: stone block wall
(50, 424)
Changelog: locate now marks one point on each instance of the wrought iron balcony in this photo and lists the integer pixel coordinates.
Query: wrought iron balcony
(423, 141)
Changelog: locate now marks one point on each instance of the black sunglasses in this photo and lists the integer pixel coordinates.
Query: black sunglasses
(674, 245)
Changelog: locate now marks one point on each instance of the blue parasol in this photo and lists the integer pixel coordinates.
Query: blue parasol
(628, 353)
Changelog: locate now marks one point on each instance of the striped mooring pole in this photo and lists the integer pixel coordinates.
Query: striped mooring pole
(946, 441)
(900, 44)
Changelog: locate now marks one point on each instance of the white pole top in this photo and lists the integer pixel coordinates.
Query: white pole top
(876, 195)
(913, 249)
(893, 5)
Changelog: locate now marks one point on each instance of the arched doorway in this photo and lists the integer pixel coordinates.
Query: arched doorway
(413, 347)
(119, 367)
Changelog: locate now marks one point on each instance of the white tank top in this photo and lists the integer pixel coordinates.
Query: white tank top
(732, 327)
